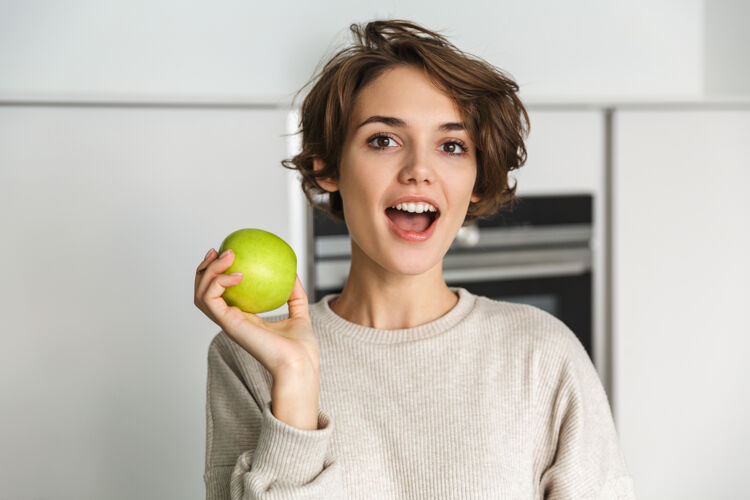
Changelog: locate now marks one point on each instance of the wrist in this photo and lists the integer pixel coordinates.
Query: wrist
(294, 399)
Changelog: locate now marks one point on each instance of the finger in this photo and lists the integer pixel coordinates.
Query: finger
(203, 265)
(206, 260)
(297, 303)
(214, 268)
(212, 297)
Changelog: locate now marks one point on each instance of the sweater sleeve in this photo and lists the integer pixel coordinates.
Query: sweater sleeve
(586, 461)
(250, 454)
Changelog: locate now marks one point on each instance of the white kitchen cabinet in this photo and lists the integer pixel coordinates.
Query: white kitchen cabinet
(565, 151)
(105, 212)
(681, 228)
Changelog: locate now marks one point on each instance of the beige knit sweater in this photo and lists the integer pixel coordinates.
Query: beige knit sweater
(492, 400)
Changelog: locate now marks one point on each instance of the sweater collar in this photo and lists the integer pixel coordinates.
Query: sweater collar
(321, 312)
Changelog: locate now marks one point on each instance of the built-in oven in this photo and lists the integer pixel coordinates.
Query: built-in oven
(539, 253)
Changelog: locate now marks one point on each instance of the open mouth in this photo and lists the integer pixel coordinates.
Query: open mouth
(412, 221)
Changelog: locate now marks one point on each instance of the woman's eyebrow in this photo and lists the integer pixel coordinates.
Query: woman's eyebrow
(398, 122)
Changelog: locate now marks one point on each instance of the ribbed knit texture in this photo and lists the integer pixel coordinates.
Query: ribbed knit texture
(494, 399)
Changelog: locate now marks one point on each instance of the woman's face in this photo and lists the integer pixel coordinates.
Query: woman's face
(398, 144)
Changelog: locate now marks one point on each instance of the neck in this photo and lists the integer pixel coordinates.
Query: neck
(389, 301)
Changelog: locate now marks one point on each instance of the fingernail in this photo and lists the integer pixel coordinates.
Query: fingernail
(236, 274)
(225, 253)
(207, 254)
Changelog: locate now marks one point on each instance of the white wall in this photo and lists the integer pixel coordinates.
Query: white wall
(727, 48)
(578, 48)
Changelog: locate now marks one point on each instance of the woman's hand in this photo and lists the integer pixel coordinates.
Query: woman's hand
(284, 347)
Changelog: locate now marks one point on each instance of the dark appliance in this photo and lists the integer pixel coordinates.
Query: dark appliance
(539, 253)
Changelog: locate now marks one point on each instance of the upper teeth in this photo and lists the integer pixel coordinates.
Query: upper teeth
(415, 207)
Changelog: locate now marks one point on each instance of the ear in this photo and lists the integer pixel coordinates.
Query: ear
(328, 184)
(475, 198)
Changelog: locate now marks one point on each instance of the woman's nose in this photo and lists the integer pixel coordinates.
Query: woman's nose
(416, 167)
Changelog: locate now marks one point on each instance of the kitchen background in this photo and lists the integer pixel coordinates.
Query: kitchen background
(135, 135)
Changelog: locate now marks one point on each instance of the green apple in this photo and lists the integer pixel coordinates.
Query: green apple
(268, 266)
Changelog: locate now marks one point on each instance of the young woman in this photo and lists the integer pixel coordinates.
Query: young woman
(401, 386)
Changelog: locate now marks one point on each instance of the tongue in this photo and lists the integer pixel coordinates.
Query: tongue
(409, 221)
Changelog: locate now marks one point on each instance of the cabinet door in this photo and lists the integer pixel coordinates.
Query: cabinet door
(105, 214)
(681, 288)
(565, 153)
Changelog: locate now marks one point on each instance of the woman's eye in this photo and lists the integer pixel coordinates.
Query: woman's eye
(381, 141)
(453, 148)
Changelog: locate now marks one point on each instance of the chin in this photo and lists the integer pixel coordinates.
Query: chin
(412, 265)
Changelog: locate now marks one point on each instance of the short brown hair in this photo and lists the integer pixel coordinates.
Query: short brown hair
(495, 118)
